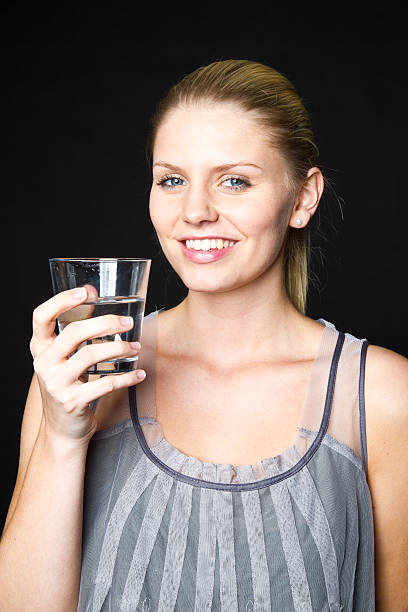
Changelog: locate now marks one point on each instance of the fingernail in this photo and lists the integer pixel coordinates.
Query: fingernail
(135, 345)
(126, 321)
(79, 292)
(141, 374)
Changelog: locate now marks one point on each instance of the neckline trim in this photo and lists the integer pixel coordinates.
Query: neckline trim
(258, 484)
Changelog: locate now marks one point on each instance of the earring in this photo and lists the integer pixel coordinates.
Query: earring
(298, 221)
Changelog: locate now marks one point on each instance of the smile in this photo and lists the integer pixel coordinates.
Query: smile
(207, 250)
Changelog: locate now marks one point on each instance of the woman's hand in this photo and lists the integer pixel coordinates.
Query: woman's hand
(65, 397)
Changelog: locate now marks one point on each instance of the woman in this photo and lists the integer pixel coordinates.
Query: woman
(242, 479)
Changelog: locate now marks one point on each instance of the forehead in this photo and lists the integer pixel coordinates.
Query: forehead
(214, 131)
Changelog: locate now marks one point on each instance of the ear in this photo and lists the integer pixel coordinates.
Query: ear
(307, 199)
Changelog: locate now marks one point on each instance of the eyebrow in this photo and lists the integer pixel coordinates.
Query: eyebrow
(215, 168)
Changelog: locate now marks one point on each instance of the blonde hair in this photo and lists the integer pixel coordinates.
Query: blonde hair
(279, 109)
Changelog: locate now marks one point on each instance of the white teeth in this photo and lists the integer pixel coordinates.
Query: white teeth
(207, 244)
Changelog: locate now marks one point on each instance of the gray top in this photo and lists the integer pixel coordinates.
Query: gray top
(164, 531)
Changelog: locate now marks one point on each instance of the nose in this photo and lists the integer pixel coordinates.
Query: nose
(198, 207)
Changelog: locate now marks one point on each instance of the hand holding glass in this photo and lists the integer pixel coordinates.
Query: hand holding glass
(114, 286)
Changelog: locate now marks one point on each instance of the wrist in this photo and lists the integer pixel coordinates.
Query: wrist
(62, 447)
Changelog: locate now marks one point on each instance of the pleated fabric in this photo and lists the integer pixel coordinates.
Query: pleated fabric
(164, 531)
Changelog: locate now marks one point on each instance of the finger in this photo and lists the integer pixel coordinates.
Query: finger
(79, 331)
(92, 292)
(91, 391)
(81, 312)
(45, 315)
(91, 354)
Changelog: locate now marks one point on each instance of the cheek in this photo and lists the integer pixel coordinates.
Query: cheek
(263, 220)
(267, 227)
(152, 212)
(160, 214)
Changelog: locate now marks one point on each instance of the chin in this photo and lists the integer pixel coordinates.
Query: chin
(208, 283)
(206, 286)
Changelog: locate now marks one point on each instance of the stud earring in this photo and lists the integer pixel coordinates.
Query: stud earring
(298, 221)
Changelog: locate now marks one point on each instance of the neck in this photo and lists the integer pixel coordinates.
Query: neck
(254, 322)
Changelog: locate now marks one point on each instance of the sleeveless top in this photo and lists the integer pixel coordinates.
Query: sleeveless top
(164, 531)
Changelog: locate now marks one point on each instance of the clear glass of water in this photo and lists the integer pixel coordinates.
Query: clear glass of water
(114, 286)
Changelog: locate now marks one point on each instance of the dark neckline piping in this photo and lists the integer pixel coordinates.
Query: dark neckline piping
(361, 405)
(258, 484)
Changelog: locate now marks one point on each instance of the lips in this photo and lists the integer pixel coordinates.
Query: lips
(206, 254)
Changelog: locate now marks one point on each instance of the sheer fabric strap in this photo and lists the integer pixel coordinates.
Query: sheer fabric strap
(361, 404)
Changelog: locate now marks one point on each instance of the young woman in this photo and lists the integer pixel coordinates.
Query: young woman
(263, 465)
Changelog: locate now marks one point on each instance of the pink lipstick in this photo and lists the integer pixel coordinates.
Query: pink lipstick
(205, 256)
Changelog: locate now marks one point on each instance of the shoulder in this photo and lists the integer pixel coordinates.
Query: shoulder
(386, 407)
(386, 400)
(384, 366)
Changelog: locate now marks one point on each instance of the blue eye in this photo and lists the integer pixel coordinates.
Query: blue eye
(171, 182)
(236, 183)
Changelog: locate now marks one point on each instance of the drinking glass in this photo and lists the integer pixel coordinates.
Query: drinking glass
(114, 286)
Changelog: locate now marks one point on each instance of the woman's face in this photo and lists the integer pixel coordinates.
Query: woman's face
(219, 200)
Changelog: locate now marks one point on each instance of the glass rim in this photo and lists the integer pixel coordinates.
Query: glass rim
(97, 259)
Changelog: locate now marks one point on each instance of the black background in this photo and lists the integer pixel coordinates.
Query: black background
(81, 82)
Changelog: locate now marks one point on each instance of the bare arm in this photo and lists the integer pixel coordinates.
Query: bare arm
(40, 549)
(30, 428)
(386, 389)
